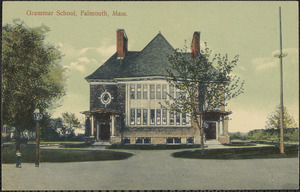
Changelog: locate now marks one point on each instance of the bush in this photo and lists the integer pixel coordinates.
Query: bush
(273, 135)
(237, 135)
(292, 135)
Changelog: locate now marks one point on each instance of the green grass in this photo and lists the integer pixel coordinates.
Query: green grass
(240, 144)
(74, 145)
(240, 153)
(58, 155)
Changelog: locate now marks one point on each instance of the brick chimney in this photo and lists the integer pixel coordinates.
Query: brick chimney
(195, 45)
(121, 43)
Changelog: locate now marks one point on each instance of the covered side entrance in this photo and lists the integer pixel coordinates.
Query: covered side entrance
(100, 124)
(215, 125)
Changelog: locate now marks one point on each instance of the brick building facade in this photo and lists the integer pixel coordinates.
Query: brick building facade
(126, 93)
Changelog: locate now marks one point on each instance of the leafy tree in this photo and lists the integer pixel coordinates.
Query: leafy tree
(49, 128)
(72, 121)
(205, 83)
(31, 74)
(273, 121)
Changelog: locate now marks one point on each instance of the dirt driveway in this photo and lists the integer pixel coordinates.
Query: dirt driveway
(154, 170)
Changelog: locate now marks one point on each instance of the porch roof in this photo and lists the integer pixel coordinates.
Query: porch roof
(214, 115)
(101, 111)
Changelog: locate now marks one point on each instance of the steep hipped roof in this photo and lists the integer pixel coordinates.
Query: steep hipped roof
(151, 61)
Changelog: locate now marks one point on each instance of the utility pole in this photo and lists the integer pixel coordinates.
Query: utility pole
(281, 88)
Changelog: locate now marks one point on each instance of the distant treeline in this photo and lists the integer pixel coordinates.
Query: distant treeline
(269, 135)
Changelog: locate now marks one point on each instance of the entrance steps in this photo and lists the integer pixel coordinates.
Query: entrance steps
(101, 144)
(213, 143)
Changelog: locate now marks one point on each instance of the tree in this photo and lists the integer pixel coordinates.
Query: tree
(205, 83)
(50, 127)
(273, 121)
(31, 74)
(72, 121)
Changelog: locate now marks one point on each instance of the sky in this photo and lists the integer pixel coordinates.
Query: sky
(247, 29)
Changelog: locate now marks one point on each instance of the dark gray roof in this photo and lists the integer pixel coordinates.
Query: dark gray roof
(151, 61)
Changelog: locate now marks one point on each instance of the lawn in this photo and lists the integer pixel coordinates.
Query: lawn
(59, 155)
(240, 153)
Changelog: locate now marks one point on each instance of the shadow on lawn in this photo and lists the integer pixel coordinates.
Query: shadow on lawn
(240, 153)
(60, 155)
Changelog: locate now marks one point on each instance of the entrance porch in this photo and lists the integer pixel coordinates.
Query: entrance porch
(216, 126)
(102, 125)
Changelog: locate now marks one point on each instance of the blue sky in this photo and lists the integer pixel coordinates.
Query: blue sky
(247, 29)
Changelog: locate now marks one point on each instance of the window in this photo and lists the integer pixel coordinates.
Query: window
(145, 91)
(147, 140)
(190, 140)
(177, 118)
(152, 92)
(132, 91)
(171, 117)
(152, 116)
(158, 116)
(126, 141)
(164, 116)
(173, 140)
(138, 116)
(143, 140)
(187, 118)
(139, 91)
(132, 116)
(139, 140)
(145, 116)
(158, 91)
(171, 91)
(169, 140)
(184, 118)
(164, 91)
(177, 140)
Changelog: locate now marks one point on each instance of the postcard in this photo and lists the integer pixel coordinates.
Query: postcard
(130, 95)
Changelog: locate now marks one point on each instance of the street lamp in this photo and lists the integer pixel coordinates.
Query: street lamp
(37, 116)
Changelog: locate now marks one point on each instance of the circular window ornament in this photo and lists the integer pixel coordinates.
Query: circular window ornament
(105, 98)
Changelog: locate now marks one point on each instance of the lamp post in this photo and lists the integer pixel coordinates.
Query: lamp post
(37, 116)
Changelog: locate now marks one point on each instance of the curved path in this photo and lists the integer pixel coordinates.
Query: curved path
(154, 169)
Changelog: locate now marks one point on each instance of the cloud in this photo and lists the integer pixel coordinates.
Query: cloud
(84, 59)
(289, 51)
(77, 66)
(264, 63)
(81, 63)
(106, 50)
(84, 50)
(87, 56)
